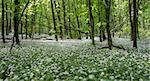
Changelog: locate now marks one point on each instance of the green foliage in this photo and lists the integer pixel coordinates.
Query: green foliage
(51, 32)
(71, 61)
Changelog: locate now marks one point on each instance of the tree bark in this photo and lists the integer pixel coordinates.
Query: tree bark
(21, 29)
(70, 29)
(107, 9)
(64, 14)
(78, 24)
(10, 18)
(58, 16)
(16, 22)
(54, 23)
(99, 14)
(131, 20)
(26, 26)
(7, 26)
(134, 24)
(33, 20)
(91, 21)
(3, 31)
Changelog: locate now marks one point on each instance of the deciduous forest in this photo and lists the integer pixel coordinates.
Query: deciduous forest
(75, 40)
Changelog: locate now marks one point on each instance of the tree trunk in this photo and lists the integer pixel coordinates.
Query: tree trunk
(100, 29)
(107, 8)
(40, 23)
(21, 29)
(78, 24)
(3, 35)
(91, 21)
(26, 26)
(10, 19)
(131, 20)
(137, 16)
(33, 20)
(104, 36)
(16, 15)
(70, 32)
(58, 15)
(134, 24)
(54, 23)
(64, 14)
(7, 26)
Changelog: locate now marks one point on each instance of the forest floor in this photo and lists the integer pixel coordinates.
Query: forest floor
(75, 60)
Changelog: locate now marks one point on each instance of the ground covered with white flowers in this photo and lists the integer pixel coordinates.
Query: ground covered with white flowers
(75, 61)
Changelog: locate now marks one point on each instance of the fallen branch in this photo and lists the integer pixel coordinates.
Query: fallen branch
(104, 48)
(119, 47)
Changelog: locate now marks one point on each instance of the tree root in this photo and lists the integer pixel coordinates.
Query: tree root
(118, 47)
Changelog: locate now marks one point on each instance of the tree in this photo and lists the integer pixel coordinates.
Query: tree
(91, 21)
(131, 20)
(59, 19)
(7, 25)
(134, 24)
(70, 29)
(107, 9)
(26, 25)
(33, 20)
(10, 18)
(54, 23)
(16, 21)
(3, 36)
(99, 17)
(64, 15)
(77, 19)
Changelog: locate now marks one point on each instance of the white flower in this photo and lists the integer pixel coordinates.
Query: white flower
(31, 75)
(76, 77)
(91, 76)
(102, 73)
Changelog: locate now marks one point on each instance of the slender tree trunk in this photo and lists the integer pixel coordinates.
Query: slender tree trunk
(21, 29)
(10, 18)
(107, 8)
(137, 16)
(134, 24)
(26, 26)
(16, 16)
(77, 20)
(100, 29)
(70, 32)
(40, 23)
(32, 27)
(131, 20)
(33, 20)
(54, 23)
(3, 35)
(58, 15)
(104, 36)
(78, 24)
(7, 26)
(91, 21)
(64, 14)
